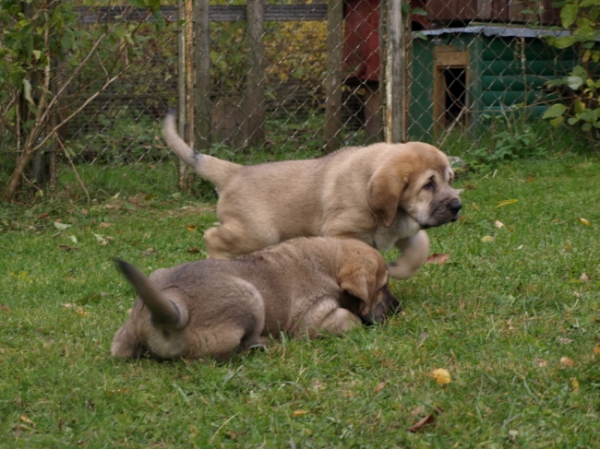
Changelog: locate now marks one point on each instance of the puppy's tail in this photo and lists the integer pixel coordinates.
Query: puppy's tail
(208, 167)
(164, 311)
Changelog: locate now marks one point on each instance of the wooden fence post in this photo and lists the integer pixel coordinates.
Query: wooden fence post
(395, 127)
(333, 79)
(254, 107)
(203, 107)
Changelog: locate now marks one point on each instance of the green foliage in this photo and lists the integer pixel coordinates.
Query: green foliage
(580, 105)
(45, 55)
(509, 138)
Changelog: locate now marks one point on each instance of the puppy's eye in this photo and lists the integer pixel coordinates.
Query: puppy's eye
(430, 185)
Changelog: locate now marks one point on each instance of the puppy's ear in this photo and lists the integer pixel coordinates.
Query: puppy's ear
(384, 190)
(356, 282)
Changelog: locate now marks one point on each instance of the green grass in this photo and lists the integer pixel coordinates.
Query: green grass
(498, 315)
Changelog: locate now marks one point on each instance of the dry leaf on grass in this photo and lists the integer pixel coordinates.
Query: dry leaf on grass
(298, 413)
(105, 224)
(429, 419)
(506, 203)
(541, 363)
(584, 221)
(26, 420)
(379, 387)
(67, 248)
(193, 250)
(441, 376)
(499, 224)
(575, 384)
(585, 278)
(566, 361)
(439, 259)
(190, 227)
(487, 239)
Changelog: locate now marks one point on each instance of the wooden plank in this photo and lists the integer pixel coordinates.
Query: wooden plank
(216, 13)
(203, 107)
(255, 85)
(333, 79)
(394, 74)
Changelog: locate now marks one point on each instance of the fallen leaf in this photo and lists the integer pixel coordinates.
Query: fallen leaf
(470, 187)
(487, 239)
(505, 203)
(298, 413)
(596, 350)
(564, 340)
(26, 420)
(193, 250)
(584, 221)
(105, 224)
(190, 227)
(541, 363)
(530, 178)
(61, 226)
(475, 206)
(429, 419)
(416, 412)
(41, 216)
(499, 224)
(67, 248)
(566, 361)
(231, 434)
(422, 339)
(575, 384)
(439, 259)
(102, 239)
(379, 387)
(119, 391)
(149, 252)
(441, 376)
(585, 278)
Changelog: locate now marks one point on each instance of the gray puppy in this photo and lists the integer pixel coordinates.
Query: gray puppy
(305, 286)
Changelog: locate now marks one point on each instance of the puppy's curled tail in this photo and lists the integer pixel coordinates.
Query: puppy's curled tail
(165, 312)
(208, 167)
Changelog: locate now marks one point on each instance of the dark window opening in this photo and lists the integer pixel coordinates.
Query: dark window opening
(455, 95)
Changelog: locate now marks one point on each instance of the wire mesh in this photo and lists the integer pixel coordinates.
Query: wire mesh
(469, 67)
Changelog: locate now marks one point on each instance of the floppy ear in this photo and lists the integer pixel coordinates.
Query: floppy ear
(357, 284)
(384, 190)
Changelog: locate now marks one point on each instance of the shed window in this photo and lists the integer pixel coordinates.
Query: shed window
(455, 95)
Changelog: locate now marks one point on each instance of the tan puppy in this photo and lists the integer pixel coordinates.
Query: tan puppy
(305, 286)
(384, 195)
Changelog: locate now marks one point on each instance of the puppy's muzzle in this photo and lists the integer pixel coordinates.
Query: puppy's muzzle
(454, 207)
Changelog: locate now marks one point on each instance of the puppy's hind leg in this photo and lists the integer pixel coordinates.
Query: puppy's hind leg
(233, 239)
(415, 251)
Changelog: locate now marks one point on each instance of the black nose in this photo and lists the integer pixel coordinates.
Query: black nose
(455, 206)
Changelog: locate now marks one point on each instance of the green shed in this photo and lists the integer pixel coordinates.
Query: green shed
(459, 74)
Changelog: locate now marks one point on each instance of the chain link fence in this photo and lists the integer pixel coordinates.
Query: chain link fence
(296, 79)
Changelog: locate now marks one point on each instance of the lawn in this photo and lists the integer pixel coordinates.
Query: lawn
(513, 315)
